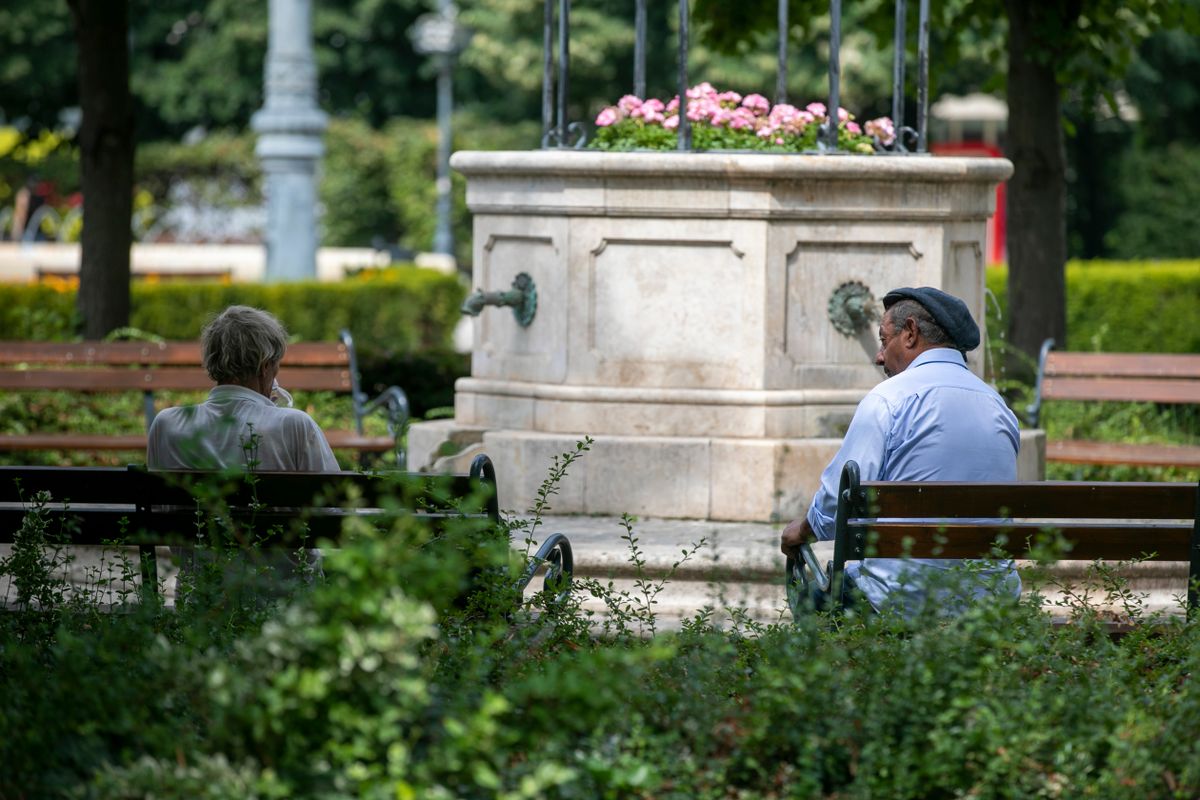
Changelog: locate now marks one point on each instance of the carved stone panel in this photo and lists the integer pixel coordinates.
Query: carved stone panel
(503, 348)
(669, 312)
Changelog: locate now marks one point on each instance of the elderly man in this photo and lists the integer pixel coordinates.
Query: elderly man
(239, 424)
(931, 420)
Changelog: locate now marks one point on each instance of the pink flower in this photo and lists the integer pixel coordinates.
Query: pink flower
(883, 129)
(651, 116)
(843, 116)
(742, 119)
(653, 105)
(766, 131)
(778, 140)
(608, 116)
(673, 105)
(629, 103)
(671, 123)
(852, 127)
(721, 116)
(704, 89)
(817, 110)
(756, 103)
(729, 97)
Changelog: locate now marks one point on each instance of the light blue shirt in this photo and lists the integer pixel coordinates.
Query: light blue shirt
(935, 421)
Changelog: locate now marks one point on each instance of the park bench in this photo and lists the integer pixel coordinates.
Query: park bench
(1124, 377)
(1115, 521)
(134, 507)
(148, 367)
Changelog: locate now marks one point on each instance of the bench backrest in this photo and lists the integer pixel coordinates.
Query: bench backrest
(126, 366)
(1126, 377)
(1109, 520)
(100, 505)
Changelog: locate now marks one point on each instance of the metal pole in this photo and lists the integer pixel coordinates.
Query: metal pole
(548, 70)
(639, 49)
(830, 139)
(443, 237)
(781, 74)
(564, 64)
(899, 45)
(685, 125)
(922, 75)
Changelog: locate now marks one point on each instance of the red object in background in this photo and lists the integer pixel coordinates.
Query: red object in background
(996, 224)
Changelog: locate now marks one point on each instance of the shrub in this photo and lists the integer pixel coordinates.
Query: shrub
(1160, 190)
(402, 310)
(371, 685)
(1131, 306)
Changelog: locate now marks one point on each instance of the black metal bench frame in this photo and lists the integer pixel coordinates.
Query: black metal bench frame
(155, 509)
(1099, 520)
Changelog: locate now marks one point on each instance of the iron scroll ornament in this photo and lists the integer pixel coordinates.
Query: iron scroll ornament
(522, 297)
(851, 308)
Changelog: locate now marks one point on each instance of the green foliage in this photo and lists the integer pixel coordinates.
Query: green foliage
(1130, 307)
(1161, 190)
(402, 310)
(372, 683)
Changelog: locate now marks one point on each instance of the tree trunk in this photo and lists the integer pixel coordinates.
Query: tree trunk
(106, 147)
(1037, 236)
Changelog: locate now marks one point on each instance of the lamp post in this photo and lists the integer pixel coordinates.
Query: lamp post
(289, 128)
(439, 35)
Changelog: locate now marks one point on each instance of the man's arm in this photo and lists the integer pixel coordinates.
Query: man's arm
(797, 532)
(866, 444)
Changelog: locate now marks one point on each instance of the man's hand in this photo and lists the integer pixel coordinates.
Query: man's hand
(797, 532)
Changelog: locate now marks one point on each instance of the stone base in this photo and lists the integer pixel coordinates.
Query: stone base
(670, 476)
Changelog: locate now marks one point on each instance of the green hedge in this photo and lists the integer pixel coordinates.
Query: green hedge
(401, 310)
(1124, 306)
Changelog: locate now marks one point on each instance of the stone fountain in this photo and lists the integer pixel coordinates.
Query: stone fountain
(709, 319)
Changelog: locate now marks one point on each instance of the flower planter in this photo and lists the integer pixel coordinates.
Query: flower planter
(683, 316)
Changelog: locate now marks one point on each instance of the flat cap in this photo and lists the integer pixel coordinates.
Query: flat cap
(946, 310)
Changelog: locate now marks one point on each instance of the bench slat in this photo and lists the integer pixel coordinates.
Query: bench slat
(1084, 452)
(90, 379)
(173, 353)
(1061, 363)
(1146, 390)
(338, 440)
(1120, 541)
(1041, 499)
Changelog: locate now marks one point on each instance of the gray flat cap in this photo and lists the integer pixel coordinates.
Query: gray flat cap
(946, 309)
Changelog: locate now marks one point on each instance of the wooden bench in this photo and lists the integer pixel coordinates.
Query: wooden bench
(1125, 377)
(1099, 520)
(149, 366)
(130, 506)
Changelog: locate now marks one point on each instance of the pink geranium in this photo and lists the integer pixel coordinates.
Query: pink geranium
(629, 103)
(671, 122)
(817, 110)
(852, 127)
(756, 103)
(882, 129)
(609, 116)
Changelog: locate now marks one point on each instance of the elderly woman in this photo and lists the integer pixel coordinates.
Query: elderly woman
(239, 424)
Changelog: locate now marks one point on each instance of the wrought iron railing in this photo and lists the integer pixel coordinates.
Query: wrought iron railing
(559, 132)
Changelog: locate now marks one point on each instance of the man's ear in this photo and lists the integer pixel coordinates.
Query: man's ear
(912, 333)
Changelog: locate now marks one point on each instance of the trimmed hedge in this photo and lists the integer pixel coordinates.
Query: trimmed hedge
(401, 310)
(1124, 306)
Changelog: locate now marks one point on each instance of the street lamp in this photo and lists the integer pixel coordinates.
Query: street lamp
(439, 35)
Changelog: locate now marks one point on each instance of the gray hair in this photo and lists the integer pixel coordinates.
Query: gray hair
(239, 342)
(930, 331)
